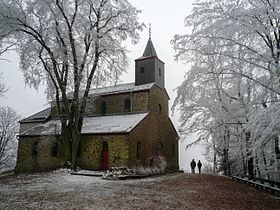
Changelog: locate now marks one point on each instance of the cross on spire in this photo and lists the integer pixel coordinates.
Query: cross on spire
(150, 31)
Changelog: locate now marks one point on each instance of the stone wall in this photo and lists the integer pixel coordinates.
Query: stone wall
(155, 129)
(165, 131)
(91, 151)
(27, 161)
(115, 103)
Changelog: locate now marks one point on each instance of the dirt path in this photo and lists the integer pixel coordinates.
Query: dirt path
(60, 190)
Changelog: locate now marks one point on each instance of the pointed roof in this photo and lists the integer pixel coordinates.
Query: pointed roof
(123, 123)
(38, 117)
(149, 50)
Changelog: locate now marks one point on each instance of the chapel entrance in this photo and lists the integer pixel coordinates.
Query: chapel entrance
(105, 156)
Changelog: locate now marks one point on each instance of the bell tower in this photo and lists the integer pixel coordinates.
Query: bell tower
(149, 68)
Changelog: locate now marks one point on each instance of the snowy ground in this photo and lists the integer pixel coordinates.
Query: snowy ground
(61, 190)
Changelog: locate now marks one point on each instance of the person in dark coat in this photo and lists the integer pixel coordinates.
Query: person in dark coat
(193, 165)
(199, 164)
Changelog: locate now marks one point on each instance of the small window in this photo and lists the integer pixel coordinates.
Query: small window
(103, 107)
(138, 150)
(159, 109)
(105, 146)
(127, 104)
(79, 151)
(159, 72)
(159, 149)
(142, 70)
(35, 148)
(55, 149)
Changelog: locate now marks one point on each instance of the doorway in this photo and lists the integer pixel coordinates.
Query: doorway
(105, 155)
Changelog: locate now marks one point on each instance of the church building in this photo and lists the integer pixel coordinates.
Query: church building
(125, 125)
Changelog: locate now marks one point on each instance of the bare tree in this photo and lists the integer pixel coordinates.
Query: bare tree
(69, 45)
(8, 129)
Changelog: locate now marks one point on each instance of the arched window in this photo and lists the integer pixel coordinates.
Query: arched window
(159, 109)
(105, 146)
(138, 150)
(159, 149)
(103, 107)
(159, 72)
(127, 105)
(55, 149)
(35, 148)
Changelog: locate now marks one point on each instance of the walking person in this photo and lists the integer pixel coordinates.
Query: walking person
(199, 165)
(193, 165)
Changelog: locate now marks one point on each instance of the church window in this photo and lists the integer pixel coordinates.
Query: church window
(159, 72)
(127, 104)
(79, 151)
(138, 150)
(105, 146)
(159, 149)
(159, 109)
(142, 69)
(103, 107)
(35, 148)
(55, 149)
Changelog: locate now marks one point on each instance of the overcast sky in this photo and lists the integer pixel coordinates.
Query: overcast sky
(166, 18)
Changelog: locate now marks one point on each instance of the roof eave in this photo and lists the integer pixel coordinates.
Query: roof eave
(147, 58)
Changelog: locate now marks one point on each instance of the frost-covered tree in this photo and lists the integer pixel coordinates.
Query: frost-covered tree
(235, 47)
(8, 129)
(70, 46)
(3, 87)
(5, 44)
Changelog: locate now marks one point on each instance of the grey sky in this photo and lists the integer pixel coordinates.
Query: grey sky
(167, 19)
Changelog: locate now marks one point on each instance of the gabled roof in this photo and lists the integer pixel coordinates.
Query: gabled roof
(38, 117)
(116, 89)
(91, 125)
(122, 88)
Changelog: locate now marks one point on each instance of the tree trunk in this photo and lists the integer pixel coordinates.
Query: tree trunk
(250, 160)
(225, 163)
(215, 159)
(65, 139)
(265, 164)
(276, 146)
(257, 165)
(75, 143)
(243, 162)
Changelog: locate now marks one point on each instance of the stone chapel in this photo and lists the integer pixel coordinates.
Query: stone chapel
(125, 125)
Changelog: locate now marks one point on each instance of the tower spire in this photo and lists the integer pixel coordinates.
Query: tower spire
(150, 50)
(149, 68)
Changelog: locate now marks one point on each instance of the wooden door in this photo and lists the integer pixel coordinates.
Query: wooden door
(105, 156)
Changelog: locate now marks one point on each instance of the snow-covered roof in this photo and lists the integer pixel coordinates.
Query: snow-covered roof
(38, 117)
(117, 89)
(128, 87)
(91, 125)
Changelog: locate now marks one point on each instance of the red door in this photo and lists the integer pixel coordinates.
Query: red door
(105, 156)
